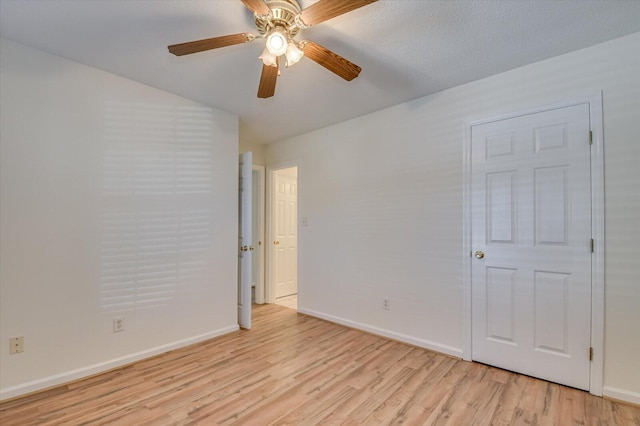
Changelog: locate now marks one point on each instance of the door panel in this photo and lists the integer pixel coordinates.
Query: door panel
(531, 217)
(551, 205)
(501, 208)
(551, 308)
(500, 304)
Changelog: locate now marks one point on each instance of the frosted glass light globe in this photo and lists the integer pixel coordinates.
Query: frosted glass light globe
(277, 42)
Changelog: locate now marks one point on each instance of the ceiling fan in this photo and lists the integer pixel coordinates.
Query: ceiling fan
(279, 21)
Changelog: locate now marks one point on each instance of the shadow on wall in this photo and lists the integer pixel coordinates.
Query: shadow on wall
(156, 157)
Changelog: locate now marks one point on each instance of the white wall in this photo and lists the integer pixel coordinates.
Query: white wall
(257, 151)
(383, 198)
(117, 199)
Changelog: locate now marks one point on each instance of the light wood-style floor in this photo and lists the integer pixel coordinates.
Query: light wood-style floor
(291, 369)
(290, 302)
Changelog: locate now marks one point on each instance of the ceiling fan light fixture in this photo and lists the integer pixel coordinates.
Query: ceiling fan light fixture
(293, 54)
(279, 22)
(268, 58)
(277, 41)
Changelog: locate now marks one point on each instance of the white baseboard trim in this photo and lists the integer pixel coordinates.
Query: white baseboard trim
(437, 347)
(69, 376)
(621, 394)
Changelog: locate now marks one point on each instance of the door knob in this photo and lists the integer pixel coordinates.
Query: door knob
(276, 242)
(244, 248)
(251, 248)
(479, 254)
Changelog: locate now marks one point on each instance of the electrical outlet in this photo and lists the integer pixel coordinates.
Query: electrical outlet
(16, 345)
(386, 304)
(118, 324)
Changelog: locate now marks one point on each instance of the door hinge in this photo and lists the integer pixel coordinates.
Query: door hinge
(593, 244)
(590, 354)
(590, 137)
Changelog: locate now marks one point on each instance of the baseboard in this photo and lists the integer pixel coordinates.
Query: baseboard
(70, 376)
(437, 347)
(621, 395)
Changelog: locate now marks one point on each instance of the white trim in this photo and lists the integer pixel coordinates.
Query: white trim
(598, 234)
(621, 395)
(269, 293)
(597, 231)
(102, 367)
(260, 282)
(427, 344)
(466, 245)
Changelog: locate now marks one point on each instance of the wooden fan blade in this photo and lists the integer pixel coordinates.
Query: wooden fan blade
(259, 7)
(208, 44)
(330, 60)
(323, 10)
(268, 79)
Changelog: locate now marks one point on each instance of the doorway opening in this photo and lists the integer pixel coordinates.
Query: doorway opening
(282, 228)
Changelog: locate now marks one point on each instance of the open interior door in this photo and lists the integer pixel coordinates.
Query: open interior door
(244, 241)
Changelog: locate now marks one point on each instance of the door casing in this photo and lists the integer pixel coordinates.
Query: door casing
(259, 239)
(597, 231)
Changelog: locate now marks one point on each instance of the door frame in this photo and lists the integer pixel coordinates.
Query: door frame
(269, 256)
(260, 283)
(597, 231)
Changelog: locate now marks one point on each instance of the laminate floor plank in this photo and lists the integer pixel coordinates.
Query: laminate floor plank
(293, 369)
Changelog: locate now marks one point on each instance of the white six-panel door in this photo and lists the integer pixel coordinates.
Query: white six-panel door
(531, 239)
(285, 262)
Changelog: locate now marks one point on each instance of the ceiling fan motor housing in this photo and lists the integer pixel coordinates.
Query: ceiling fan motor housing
(283, 14)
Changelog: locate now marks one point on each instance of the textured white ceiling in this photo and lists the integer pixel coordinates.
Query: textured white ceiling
(406, 48)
